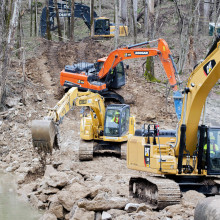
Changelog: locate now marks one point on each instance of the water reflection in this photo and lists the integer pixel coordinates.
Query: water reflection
(11, 207)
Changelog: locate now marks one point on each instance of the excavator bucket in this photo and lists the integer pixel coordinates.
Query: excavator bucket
(43, 135)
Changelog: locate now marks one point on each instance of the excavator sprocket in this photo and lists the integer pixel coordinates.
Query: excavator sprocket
(85, 150)
(158, 192)
(43, 135)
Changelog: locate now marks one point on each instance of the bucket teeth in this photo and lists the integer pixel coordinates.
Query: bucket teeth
(43, 135)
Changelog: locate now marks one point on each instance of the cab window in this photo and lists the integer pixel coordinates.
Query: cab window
(112, 123)
(125, 121)
(214, 150)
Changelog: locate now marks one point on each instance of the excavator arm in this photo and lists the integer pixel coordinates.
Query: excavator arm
(134, 51)
(200, 82)
(44, 132)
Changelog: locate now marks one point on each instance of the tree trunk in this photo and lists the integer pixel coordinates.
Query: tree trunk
(92, 18)
(58, 21)
(146, 18)
(31, 25)
(206, 16)
(8, 42)
(49, 37)
(151, 6)
(134, 19)
(72, 21)
(100, 8)
(123, 12)
(116, 23)
(19, 36)
(35, 20)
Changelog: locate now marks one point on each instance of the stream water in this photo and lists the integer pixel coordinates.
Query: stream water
(11, 207)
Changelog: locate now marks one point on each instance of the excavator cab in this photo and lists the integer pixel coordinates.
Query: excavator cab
(117, 120)
(213, 151)
(102, 26)
(118, 79)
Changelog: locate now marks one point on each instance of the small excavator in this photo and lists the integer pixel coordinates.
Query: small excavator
(185, 159)
(108, 73)
(100, 131)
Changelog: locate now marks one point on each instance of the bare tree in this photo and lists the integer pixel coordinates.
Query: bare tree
(31, 24)
(123, 14)
(58, 21)
(100, 8)
(72, 21)
(206, 16)
(187, 34)
(116, 23)
(151, 6)
(19, 35)
(146, 18)
(7, 41)
(35, 19)
(134, 18)
(151, 25)
(49, 37)
(92, 18)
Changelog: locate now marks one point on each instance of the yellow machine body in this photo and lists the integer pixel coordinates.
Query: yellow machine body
(92, 126)
(164, 155)
(188, 158)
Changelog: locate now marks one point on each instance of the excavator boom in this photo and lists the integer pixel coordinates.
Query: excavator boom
(44, 132)
(200, 82)
(132, 52)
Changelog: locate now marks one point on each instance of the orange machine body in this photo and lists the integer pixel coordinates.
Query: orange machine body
(82, 80)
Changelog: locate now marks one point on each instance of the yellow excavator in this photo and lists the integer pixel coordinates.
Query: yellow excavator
(181, 160)
(100, 131)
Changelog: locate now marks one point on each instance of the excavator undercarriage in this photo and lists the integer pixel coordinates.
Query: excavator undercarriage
(157, 192)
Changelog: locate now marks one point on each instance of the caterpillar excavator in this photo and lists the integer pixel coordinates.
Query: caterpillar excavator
(100, 131)
(109, 73)
(186, 159)
(102, 25)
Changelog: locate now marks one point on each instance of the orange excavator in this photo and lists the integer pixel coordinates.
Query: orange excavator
(108, 73)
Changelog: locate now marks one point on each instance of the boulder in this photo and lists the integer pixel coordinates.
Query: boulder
(191, 198)
(106, 216)
(57, 179)
(116, 212)
(83, 214)
(56, 209)
(208, 209)
(131, 207)
(49, 169)
(48, 216)
(103, 202)
(66, 199)
(143, 208)
(173, 210)
(98, 216)
(68, 196)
